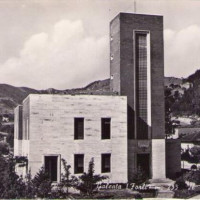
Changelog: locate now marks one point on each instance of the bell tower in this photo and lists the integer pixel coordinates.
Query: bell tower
(137, 71)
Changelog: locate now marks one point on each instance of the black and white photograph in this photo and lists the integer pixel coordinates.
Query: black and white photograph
(99, 99)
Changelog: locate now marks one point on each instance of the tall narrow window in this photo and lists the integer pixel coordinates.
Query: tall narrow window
(141, 57)
(78, 128)
(27, 129)
(51, 167)
(105, 128)
(78, 163)
(20, 123)
(105, 162)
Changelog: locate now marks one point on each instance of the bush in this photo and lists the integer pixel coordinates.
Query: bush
(42, 185)
(180, 183)
(139, 177)
(4, 148)
(193, 176)
(183, 194)
(193, 167)
(11, 185)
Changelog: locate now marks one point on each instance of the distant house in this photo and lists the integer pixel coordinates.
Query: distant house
(187, 142)
(186, 85)
(186, 131)
(3, 136)
(180, 91)
(5, 119)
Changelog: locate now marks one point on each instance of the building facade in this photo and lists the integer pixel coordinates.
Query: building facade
(76, 128)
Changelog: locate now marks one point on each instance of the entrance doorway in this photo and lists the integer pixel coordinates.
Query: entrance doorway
(143, 162)
(51, 163)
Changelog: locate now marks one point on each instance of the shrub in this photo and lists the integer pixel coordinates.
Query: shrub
(4, 148)
(11, 185)
(183, 194)
(42, 185)
(193, 176)
(180, 183)
(29, 190)
(139, 176)
(193, 167)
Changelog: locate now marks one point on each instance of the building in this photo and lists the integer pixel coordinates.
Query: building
(178, 91)
(187, 85)
(75, 128)
(122, 131)
(137, 68)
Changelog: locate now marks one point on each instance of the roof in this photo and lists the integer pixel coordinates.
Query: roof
(193, 137)
(134, 14)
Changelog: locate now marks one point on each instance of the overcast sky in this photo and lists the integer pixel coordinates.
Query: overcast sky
(65, 43)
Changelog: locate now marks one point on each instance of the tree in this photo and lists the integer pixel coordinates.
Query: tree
(193, 176)
(89, 180)
(29, 190)
(185, 155)
(195, 154)
(194, 167)
(67, 181)
(42, 185)
(4, 148)
(139, 176)
(11, 185)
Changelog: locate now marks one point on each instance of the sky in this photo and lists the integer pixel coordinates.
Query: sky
(64, 44)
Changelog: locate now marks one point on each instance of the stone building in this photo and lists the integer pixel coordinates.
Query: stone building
(75, 128)
(122, 131)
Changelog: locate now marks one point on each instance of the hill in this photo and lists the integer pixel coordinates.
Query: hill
(11, 96)
(179, 99)
(172, 80)
(185, 101)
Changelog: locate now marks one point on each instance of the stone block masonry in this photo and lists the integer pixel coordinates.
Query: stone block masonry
(50, 130)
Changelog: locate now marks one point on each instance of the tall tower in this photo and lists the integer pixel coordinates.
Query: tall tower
(137, 71)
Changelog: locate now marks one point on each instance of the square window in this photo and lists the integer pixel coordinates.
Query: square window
(78, 163)
(105, 128)
(78, 128)
(105, 163)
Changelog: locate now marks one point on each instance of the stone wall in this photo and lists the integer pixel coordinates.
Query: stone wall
(158, 159)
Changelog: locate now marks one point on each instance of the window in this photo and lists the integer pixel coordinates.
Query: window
(27, 129)
(78, 128)
(51, 167)
(78, 163)
(105, 128)
(105, 163)
(141, 53)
